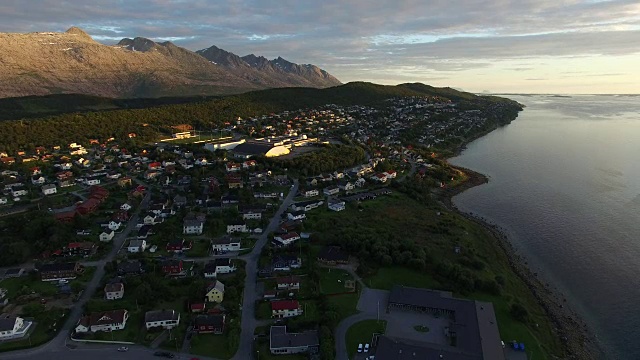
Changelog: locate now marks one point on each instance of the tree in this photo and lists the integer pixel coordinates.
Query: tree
(144, 294)
(519, 312)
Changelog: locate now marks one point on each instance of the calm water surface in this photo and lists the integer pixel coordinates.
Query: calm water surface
(565, 186)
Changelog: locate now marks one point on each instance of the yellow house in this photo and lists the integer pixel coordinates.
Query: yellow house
(215, 292)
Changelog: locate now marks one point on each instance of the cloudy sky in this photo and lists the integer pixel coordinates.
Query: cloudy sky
(543, 46)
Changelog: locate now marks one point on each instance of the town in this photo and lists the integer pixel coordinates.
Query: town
(250, 241)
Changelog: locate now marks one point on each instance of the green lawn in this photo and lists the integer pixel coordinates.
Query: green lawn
(263, 311)
(200, 248)
(345, 304)
(28, 284)
(361, 333)
(386, 277)
(211, 345)
(332, 281)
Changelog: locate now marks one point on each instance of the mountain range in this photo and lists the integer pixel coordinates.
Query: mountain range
(45, 63)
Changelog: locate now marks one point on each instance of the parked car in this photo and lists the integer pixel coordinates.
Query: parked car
(366, 348)
(359, 348)
(164, 354)
(123, 349)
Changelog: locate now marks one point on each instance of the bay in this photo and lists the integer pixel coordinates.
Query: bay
(565, 187)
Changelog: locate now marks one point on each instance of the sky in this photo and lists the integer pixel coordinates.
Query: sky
(499, 46)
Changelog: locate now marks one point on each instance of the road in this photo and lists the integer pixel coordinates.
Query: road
(249, 321)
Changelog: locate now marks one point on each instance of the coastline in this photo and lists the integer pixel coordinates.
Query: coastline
(577, 338)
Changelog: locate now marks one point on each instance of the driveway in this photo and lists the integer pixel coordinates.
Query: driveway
(373, 301)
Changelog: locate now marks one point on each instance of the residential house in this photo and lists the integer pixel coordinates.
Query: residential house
(235, 182)
(114, 291)
(38, 180)
(124, 182)
(224, 244)
(166, 319)
(152, 219)
(3, 200)
(306, 205)
(282, 342)
(331, 190)
(285, 309)
(250, 213)
(107, 235)
(209, 324)
(249, 164)
(126, 207)
(233, 167)
(192, 226)
(236, 226)
(13, 327)
(285, 263)
(85, 248)
(360, 182)
(336, 205)
(296, 215)
(179, 245)
(92, 181)
(391, 174)
(137, 246)
(172, 267)
(346, 186)
(215, 292)
(332, 255)
(288, 283)
(144, 232)
(130, 267)
(179, 201)
(198, 307)
(114, 225)
(218, 266)
(286, 239)
(103, 321)
(310, 193)
(49, 189)
(16, 192)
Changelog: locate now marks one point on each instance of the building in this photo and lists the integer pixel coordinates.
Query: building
(166, 319)
(114, 291)
(306, 205)
(137, 246)
(331, 190)
(225, 243)
(215, 292)
(107, 236)
(85, 248)
(59, 271)
(332, 255)
(473, 326)
(286, 239)
(224, 266)
(209, 324)
(13, 327)
(172, 267)
(259, 148)
(103, 321)
(192, 227)
(178, 246)
(255, 214)
(296, 215)
(336, 205)
(237, 226)
(285, 308)
(282, 342)
(288, 283)
(310, 193)
(49, 189)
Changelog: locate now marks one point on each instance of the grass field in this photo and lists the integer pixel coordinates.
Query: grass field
(211, 345)
(332, 281)
(345, 304)
(361, 333)
(27, 284)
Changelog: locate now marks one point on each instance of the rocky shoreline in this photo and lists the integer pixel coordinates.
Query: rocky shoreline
(578, 340)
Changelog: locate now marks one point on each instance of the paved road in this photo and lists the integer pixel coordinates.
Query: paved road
(249, 321)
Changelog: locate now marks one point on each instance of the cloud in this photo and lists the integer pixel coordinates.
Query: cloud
(358, 37)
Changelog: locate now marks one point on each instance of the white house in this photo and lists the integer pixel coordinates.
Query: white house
(225, 243)
(310, 193)
(337, 205)
(107, 236)
(285, 309)
(19, 192)
(236, 227)
(347, 186)
(218, 266)
(38, 180)
(114, 291)
(286, 239)
(296, 215)
(114, 225)
(13, 327)
(361, 182)
(92, 181)
(192, 227)
(3, 200)
(103, 321)
(49, 189)
(251, 214)
(166, 319)
(126, 207)
(136, 246)
(331, 190)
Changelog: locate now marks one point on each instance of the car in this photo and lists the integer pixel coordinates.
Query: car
(164, 354)
(123, 349)
(366, 348)
(359, 348)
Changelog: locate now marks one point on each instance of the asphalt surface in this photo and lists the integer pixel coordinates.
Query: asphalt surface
(249, 322)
